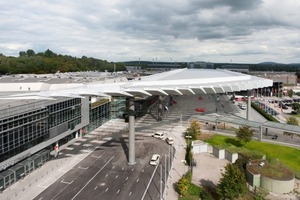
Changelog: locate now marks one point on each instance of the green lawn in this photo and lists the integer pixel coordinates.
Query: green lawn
(286, 155)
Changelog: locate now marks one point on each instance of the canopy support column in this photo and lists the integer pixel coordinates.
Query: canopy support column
(160, 108)
(260, 133)
(131, 114)
(248, 104)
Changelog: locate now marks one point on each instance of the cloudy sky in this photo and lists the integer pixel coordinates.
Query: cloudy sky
(244, 31)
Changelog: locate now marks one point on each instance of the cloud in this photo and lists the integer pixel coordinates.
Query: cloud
(182, 30)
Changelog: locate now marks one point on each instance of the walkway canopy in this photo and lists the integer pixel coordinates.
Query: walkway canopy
(244, 122)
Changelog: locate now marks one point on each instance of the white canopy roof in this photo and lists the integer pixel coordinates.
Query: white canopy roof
(175, 82)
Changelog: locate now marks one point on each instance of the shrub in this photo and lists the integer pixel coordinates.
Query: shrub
(184, 184)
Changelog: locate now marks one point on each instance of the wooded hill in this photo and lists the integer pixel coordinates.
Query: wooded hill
(49, 62)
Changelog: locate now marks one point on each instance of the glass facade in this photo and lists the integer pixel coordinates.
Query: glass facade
(65, 111)
(98, 115)
(23, 168)
(21, 132)
(26, 129)
(118, 107)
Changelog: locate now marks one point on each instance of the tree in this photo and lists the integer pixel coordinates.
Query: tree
(188, 154)
(49, 53)
(232, 184)
(290, 93)
(22, 54)
(194, 130)
(30, 53)
(244, 134)
(296, 106)
(292, 121)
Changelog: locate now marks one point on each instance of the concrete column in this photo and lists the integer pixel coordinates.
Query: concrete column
(260, 134)
(171, 100)
(131, 114)
(160, 108)
(248, 104)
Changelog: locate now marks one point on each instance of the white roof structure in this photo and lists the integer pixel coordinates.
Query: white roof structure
(175, 82)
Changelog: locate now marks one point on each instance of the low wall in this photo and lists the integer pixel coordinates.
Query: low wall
(231, 157)
(277, 186)
(219, 153)
(253, 179)
(272, 185)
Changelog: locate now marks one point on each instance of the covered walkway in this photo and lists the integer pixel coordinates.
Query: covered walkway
(244, 122)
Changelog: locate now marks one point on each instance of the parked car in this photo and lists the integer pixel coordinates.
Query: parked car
(294, 112)
(284, 107)
(155, 159)
(159, 135)
(170, 140)
(243, 107)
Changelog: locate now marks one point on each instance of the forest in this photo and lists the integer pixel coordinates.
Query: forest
(29, 62)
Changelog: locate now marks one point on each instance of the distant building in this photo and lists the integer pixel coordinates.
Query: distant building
(287, 78)
(164, 65)
(205, 65)
(237, 68)
(133, 68)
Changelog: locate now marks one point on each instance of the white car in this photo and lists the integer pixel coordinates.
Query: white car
(155, 159)
(158, 135)
(170, 140)
(243, 107)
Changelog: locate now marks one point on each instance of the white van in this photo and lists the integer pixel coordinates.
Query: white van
(170, 140)
(158, 134)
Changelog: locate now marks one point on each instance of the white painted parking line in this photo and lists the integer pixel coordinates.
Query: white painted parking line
(130, 194)
(106, 175)
(106, 190)
(95, 188)
(122, 168)
(132, 169)
(85, 168)
(96, 156)
(126, 178)
(137, 180)
(63, 181)
(41, 198)
(113, 167)
(118, 191)
(116, 176)
(143, 170)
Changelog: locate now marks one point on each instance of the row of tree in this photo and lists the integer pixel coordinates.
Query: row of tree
(50, 62)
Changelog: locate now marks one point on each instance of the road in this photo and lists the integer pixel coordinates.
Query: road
(105, 173)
